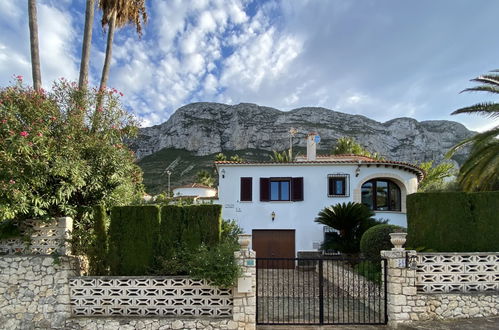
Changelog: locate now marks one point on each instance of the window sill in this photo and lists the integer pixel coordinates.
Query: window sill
(378, 211)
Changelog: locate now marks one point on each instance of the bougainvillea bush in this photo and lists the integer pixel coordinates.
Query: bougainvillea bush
(60, 154)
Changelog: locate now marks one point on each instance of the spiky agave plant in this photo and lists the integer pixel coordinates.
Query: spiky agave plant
(480, 171)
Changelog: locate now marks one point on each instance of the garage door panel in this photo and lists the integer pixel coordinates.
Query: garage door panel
(274, 244)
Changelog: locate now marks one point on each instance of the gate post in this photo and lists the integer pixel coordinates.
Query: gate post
(244, 311)
(401, 283)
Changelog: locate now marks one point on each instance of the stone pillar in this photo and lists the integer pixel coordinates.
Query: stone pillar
(244, 312)
(401, 285)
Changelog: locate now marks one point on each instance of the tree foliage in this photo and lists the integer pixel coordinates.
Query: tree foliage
(280, 157)
(52, 160)
(351, 220)
(435, 175)
(205, 178)
(347, 145)
(480, 171)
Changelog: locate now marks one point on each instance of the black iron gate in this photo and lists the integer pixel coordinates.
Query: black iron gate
(318, 291)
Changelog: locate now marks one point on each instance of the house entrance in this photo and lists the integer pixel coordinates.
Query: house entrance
(317, 291)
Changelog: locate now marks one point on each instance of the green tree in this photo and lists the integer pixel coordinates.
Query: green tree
(220, 157)
(280, 157)
(435, 176)
(117, 14)
(348, 145)
(52, 165)
(351, 220)
(480, 171)
(204, 177)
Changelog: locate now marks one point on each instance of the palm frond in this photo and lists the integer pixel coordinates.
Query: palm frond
(487, 79)
(482, 88)
(488, 109)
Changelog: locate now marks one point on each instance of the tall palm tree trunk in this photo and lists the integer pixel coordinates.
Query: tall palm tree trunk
(109, 51)
(87, 42)
(33, 37)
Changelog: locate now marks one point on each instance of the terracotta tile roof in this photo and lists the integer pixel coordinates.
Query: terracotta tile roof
(361, 160)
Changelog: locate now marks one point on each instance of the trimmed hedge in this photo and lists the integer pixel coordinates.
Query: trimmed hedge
(97, 252)
(133, 239)
(454, 221)
(376, 239)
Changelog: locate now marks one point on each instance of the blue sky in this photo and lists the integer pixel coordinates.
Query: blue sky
(379, 58)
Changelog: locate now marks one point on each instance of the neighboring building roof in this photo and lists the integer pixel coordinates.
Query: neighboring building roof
(211, 197)
(336, 159)
(194, 185)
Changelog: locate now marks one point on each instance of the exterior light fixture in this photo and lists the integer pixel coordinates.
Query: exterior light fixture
(273, 215)
(357, 171)
(223, 173)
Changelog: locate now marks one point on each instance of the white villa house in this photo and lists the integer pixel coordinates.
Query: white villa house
(278, 202)
(197, 192)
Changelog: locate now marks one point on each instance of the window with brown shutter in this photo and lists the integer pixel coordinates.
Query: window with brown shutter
(338, 185)
(297, 189)
(246, 189)
(264, 189)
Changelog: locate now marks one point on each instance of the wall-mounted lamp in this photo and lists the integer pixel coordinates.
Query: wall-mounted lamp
(223, 173)
(357, 171)
(273, 215)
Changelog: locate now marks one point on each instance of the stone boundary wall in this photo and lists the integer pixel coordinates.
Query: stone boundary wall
(40, 238)
(406, 304)
(130, 323)
(34, 291)
(148, 296)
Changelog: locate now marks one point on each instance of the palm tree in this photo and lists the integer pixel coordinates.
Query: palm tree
(33, 39)
(116, 14)
(87, 42)
(480, 172)
(280, 157)
(347, 145)
(351, 220)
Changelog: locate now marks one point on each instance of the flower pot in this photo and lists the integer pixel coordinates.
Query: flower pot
(244, 240)
(398, 240)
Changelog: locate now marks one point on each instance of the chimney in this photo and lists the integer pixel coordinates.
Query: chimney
(312, 140)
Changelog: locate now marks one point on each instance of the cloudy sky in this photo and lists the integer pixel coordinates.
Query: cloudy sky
(379, 58)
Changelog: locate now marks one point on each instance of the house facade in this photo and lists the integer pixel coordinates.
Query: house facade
(198, 193)
(278, 202)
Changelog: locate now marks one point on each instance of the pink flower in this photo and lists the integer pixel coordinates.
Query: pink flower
(20, 78)
(40, 134)
(12, 181)
(24, 133)
(121, 94)
(4, 121)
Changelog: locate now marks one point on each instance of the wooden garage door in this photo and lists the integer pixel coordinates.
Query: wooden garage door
(274, 244)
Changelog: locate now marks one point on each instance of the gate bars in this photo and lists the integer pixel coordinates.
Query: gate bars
(316, 291)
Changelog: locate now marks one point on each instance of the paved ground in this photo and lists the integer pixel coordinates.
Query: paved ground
(462, 324)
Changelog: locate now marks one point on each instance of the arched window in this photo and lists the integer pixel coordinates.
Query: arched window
(381, 195)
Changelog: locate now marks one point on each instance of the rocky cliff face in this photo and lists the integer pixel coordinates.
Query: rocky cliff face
(207, 128)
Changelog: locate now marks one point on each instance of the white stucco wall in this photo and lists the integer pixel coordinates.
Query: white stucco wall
(300, 215)
(200, 192)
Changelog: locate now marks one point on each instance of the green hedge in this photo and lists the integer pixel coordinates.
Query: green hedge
(97, 252)
(133, 239)
(454, 221)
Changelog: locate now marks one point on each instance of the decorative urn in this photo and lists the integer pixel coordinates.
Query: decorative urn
(244, 240)
(398, 240)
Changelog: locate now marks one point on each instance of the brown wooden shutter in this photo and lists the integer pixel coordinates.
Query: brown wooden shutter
(296, 189)
(264, 189)
(246, 189)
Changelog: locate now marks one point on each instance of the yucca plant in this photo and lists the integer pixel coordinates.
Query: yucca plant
(351, 220)
(480, 171)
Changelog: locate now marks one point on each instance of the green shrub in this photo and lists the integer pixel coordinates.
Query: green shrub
(216, 264)
(376, 239)
(97, 252)
(454, 221)
(9, 229)
(133, 239)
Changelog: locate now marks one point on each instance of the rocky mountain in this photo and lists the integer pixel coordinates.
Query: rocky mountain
(208, 128)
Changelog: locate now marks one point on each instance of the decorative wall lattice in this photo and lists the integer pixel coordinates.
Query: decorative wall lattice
(43, 238)
(148, 296)
(457, 272)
